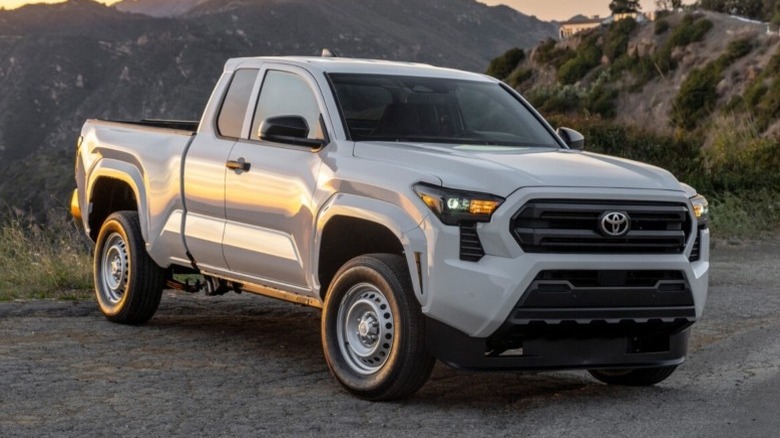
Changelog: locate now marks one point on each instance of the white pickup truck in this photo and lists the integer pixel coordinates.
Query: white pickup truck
(430, 213)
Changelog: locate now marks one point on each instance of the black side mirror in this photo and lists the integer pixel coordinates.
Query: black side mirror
(288, 129)
(573, 139)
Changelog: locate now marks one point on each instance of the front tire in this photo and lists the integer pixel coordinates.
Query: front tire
(128, 283)
(373, 331)
(634, 376)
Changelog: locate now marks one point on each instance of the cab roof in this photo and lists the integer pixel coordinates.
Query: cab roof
(355, 65)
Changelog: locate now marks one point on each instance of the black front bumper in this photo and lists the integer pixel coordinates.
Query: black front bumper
(581, 319)
(459, 350)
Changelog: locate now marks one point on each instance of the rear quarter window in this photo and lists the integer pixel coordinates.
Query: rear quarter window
(234, 106)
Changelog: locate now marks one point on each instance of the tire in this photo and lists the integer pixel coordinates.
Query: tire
(633, 376)
(128, 283)
(373, 331)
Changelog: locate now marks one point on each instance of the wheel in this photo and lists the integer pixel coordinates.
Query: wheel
(373, 332)
(128, 283)
(634, 376)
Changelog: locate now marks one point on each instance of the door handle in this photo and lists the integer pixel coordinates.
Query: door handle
(239, 165)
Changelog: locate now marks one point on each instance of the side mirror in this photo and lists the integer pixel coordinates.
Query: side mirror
(288, 129)
(572, 138)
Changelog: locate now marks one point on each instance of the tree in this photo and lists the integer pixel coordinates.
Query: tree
(668, 5)
(624, 6)
(755, 9)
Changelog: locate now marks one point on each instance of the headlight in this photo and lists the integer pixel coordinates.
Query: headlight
(701, 209)
(453, 206)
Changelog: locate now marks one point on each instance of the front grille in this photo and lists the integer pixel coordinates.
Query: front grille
(643, 306)
(572, 226)
(565, 290)
(470, 246)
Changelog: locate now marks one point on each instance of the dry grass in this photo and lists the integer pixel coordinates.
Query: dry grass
(36, 261)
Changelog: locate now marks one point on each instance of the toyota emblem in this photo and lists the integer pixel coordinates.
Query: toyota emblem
(614, 223)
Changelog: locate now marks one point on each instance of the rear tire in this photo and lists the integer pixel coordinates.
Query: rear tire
(633, 376)
(128, 283)
(373, 330)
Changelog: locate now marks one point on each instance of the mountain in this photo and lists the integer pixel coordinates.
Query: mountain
(63, 63)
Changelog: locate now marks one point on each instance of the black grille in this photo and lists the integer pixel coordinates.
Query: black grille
(572, 226)
(696, 251)
(470, 246)
(607, 288)
(587, 296)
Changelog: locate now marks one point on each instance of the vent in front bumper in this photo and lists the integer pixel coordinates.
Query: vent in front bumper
(470, 246)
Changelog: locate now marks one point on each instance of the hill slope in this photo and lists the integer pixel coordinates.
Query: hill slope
(681, 72)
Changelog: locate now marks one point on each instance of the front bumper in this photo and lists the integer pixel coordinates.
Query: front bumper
(476, 298)
(459, 350)
(481, 315)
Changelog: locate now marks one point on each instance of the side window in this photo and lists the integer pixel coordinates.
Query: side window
(231, 115)
(286, 94)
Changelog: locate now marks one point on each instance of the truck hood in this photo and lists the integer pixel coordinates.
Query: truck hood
(502, 170)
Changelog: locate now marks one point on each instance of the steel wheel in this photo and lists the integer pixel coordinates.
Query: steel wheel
(115, 268)
(373, 329)
(365, 331)
(128, 284)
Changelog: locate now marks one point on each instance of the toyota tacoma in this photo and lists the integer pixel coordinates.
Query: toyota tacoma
(430, 213)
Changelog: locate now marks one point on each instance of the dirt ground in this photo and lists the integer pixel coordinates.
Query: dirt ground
(250, 366)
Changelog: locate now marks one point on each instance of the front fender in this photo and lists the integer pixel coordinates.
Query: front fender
(392, 217)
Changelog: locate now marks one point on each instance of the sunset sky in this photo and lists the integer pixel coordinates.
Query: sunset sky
(544, 9)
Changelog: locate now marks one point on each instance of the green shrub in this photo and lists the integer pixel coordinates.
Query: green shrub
(617, 38)
(740, 158)
(549, 53)
(588, 57)
(761, 98)
(698, 93)
(745, 214)
(519, 76)
(556, 99)
(689, 30)
(697, 97)
(503, 65)
(601, 101)
(661, 27)
(735, 50)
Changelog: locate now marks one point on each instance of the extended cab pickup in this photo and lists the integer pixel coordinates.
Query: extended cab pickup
(430, 213)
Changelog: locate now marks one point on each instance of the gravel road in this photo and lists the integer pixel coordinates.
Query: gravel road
(243, 365)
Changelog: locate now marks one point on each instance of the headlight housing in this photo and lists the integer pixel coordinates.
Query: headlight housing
(454, 206)
(701, 209)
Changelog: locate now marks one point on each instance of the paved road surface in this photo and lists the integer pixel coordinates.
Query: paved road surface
(251, 366)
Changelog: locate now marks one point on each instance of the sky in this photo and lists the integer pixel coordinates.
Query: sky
(547, 10)
(10, 4)
(562, 10)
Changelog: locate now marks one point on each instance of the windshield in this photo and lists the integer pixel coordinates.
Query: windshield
(406, 108)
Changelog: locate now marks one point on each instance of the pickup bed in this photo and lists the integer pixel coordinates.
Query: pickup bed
(430, 213)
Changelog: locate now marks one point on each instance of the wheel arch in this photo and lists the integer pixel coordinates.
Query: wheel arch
(115, 186)
(383, 228)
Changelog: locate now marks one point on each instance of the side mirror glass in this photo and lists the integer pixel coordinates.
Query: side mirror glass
(287, 129)
(572, 138)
